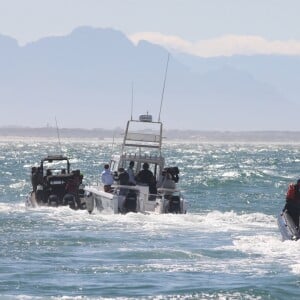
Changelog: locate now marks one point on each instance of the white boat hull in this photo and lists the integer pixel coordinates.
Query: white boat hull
(97, 199)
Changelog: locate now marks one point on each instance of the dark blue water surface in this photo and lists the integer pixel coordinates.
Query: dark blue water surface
(227, 246)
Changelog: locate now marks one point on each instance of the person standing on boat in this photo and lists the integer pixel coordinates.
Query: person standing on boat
(107, 178)
(130, 172)
(293, 202)
(123, 179)
(146, 177)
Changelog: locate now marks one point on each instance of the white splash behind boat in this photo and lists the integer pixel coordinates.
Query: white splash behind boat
(142, 143)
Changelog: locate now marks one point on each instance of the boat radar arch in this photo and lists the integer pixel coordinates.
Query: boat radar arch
(145, 118)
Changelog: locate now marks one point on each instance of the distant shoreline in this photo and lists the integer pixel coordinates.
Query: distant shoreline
(50, 133)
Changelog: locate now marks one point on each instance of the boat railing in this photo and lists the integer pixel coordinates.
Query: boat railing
(134, 187)
(143, 134)
(129, 187)
(136, 155)
(165, 190)
(158, 159)
(145, 143)
(143, 137)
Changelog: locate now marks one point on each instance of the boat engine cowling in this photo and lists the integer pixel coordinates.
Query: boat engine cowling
(53, 200)
(70, 200)
(39, 194)
(174, 172)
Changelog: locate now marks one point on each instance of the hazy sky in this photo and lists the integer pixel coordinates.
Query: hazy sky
(205, 28)
(200, 27)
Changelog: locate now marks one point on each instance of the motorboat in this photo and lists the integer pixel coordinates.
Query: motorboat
(55, 184)
(287, 227)
(142, 145)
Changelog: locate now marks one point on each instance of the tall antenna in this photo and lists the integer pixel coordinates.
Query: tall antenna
(58, 136)
(163, 91)
(131, 99)
(113, 143)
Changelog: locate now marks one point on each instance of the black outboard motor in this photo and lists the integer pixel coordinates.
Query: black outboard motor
(174, 171)
(130, 202)
(39, 194)
(53, 200)
(69, 199)
(174, 204)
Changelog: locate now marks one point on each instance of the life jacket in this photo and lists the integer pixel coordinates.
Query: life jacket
(292, 192)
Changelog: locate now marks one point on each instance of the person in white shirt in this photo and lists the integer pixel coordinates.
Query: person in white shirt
(107, 178)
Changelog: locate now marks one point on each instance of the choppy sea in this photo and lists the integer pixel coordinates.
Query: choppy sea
(227, 246)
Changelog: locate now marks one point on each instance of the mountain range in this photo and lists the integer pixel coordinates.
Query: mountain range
(97, 78)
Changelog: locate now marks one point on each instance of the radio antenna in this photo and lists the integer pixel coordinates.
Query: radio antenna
(163, 90)
(58, 136)
(131, 99)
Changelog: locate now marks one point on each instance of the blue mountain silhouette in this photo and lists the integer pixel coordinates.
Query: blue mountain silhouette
(84, 79)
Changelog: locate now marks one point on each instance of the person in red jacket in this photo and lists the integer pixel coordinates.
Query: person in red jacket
(293, 202)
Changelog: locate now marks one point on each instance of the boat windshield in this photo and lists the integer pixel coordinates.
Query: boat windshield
(55, 167)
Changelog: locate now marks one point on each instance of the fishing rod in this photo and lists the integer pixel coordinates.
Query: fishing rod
(113, 143)
(163, 90)
(131, 99)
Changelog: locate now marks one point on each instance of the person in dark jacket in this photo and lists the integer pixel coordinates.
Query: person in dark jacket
(145, 176)
(123, 179)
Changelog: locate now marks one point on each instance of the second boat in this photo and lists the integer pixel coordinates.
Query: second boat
(151, 186)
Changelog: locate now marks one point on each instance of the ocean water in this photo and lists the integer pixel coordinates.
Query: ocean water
(227, 246)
